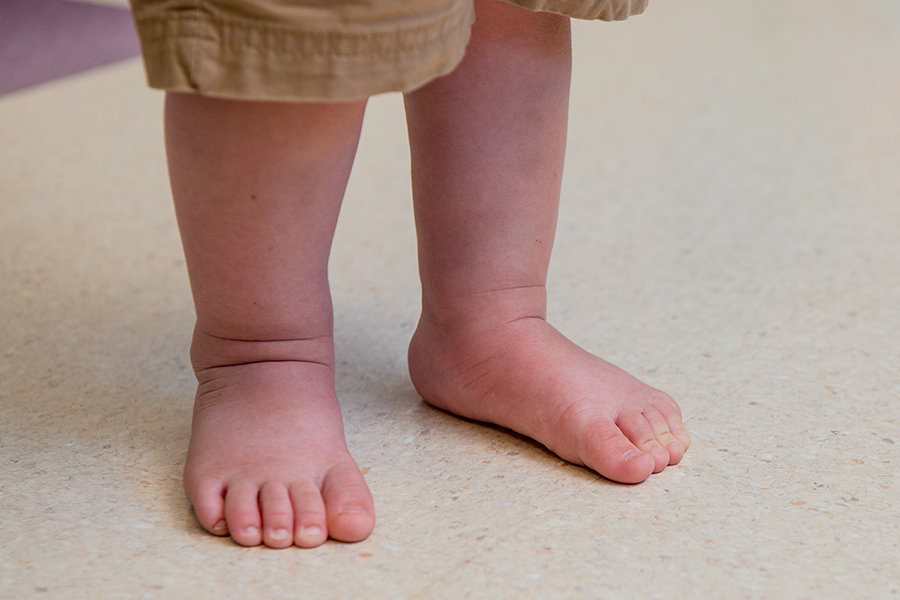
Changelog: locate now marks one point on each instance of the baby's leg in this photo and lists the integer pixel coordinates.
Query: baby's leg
(257, 190)
(488, 142)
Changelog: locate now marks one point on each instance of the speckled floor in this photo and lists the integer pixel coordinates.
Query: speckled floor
(729, 233)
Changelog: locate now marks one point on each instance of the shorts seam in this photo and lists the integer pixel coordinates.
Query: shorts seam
(236, 34)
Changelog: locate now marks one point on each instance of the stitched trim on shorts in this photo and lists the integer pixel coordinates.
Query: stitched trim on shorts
(603, 10)
(171, 46)
(239, 34)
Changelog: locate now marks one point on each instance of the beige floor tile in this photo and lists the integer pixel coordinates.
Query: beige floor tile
(790, 490)
(95, 308)
(131, 535)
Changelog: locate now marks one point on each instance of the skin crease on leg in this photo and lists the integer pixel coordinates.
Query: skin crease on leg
(257, 190)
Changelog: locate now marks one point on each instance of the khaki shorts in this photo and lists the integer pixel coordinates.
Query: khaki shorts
(317, 49)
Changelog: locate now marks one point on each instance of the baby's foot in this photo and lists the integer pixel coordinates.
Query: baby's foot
(526, 376)
(268, 462)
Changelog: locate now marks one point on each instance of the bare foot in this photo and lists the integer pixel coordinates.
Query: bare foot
(526, 376)
(268, 462)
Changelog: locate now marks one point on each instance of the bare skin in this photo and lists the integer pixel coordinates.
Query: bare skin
(488, 143)
(257, 190)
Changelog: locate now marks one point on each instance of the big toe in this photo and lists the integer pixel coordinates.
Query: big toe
(207, 498)
(607, 451)
(349, 506)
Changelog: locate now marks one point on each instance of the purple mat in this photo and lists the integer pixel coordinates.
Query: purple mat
(42, 40)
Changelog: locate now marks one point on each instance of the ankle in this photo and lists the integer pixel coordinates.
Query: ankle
(487, 309)
(210, 352)
(441, 351)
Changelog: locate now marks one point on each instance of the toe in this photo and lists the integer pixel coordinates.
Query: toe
(611, 454)
(675, 427)
(348, 503)
(242, 514)
(310, 526)
(637, 428)
(277, 515)
(660, 427)
(208, 501)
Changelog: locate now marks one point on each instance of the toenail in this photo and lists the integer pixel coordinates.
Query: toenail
(352, 509)
(631, 454)
(280, 534)
(658, 450)
(250, 531)
(311, 531)
(220, 526)
(673, 443)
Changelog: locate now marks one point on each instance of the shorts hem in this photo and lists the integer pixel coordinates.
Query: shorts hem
(596, 10)
(195, 51)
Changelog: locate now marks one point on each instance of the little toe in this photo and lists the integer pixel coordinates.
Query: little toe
(348, 503)
(680, 432)
(635, 426)
(208, 501)
(277, 515)
(310, 526)
(242, 514)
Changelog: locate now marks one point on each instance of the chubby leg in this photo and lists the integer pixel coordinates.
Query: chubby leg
(257, 190)
(488, 143)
